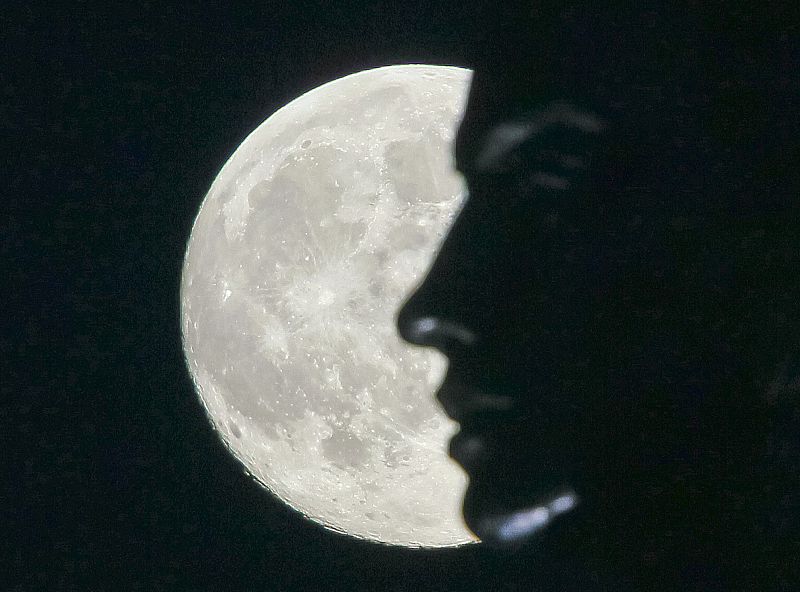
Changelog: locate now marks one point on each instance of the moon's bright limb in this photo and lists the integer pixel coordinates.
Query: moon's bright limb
(310, 238)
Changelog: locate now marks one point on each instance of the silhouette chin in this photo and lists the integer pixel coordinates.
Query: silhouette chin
(502, 524)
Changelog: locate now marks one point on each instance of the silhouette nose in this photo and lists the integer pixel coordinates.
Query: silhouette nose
(434, 331)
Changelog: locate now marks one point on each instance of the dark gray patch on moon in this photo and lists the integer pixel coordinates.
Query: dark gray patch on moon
(235, 429)
(345, 449)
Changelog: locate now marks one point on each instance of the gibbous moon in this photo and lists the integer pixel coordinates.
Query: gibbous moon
(314, 232)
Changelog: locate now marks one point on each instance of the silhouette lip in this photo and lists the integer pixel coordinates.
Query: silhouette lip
(468, 449)
(479, 438)
(466, 404)
(479, 414)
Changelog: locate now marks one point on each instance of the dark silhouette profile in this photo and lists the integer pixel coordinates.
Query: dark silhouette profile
(618, 297)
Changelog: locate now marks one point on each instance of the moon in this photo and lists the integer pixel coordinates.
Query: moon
(310, 238)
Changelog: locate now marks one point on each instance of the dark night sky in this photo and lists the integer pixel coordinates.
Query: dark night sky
(119, 120)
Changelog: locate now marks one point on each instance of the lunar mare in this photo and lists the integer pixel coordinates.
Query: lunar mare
(308, 241)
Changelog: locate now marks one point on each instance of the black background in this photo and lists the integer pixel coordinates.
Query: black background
(118, 120)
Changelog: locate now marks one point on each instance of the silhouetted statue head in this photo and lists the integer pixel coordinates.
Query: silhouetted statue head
(618, 297)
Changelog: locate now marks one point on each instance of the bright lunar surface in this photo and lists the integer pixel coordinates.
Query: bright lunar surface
(311, 237)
